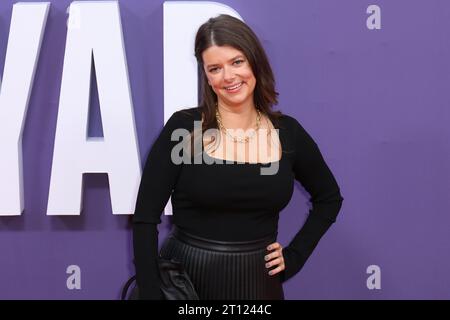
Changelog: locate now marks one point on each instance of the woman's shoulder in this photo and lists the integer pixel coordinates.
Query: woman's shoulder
(193, 113)
(290, 123)
(184, 118)
(293, 128)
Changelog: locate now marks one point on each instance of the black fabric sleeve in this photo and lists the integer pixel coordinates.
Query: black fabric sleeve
(157, 182)
(315, 176)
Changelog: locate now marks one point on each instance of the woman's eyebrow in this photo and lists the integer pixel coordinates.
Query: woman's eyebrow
(214, 65)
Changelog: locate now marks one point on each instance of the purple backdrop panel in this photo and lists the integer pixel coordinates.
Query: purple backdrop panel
(375, 101)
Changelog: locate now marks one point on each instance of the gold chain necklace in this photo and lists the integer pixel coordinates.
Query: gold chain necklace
(236, 139)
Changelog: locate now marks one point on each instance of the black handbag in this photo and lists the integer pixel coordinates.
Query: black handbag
(175, 283)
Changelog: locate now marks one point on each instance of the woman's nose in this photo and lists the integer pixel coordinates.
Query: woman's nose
(228, 74)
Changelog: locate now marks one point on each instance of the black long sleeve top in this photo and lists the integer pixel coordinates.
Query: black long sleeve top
(231, 202)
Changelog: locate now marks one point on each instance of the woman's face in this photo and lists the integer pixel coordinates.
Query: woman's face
(229, 74)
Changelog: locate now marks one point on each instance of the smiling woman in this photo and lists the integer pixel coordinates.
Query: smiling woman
(230, 76)
(226, 215)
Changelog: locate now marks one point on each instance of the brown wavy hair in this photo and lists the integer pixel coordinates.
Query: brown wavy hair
(225, 30)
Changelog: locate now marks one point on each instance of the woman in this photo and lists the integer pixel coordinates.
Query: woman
(225, 215)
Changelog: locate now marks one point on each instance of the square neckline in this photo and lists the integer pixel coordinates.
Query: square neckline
(225, 161)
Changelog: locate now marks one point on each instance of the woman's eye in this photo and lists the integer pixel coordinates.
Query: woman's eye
(213, 69)
(238, 62)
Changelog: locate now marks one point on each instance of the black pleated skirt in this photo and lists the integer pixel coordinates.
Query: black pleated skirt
(225, 270)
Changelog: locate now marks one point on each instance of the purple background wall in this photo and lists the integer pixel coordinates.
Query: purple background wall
(376, 102)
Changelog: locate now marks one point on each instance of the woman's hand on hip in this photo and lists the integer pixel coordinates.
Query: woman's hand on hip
(275, 258)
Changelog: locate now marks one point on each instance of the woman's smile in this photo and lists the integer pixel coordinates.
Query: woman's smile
(234, 88)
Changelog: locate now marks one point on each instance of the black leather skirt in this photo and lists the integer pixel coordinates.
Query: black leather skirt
(225, 270)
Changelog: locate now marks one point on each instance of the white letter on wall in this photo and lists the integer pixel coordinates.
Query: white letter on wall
(97, 36)
(28, 22)
(181, 22)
